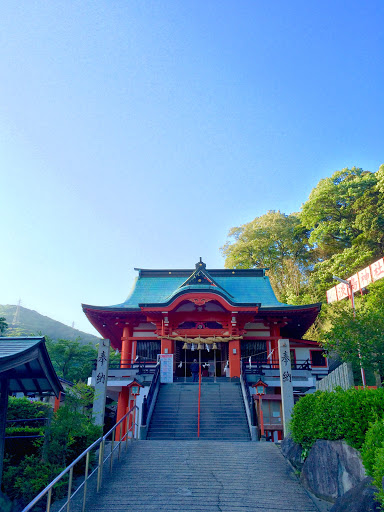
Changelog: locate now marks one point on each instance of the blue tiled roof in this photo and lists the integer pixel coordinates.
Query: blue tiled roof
(26, 363)
(15, 346)
(242, 289)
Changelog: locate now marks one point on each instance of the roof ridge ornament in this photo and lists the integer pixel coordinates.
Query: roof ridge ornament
(200, 264)
(201, 276)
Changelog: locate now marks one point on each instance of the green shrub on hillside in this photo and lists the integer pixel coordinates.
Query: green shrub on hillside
(373, 455)
(336, 415)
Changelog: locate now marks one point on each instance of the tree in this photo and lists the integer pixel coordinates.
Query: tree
(350, 336)
(344, 215)
(331, 211)
(3, 325)
(71, 360)
(72, 429)
(276, 241)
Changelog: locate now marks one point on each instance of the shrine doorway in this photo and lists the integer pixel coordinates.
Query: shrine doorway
(209, 358)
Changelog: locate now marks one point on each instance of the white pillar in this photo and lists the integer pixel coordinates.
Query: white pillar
(285, 382)
(101, 379)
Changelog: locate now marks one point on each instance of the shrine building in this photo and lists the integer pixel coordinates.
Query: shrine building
(229, 320)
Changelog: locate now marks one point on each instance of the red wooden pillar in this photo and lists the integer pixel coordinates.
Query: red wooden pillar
(275, 331)
(57, 402)
(166, 346)
(234, 358)
(122, 408)
(126, 348)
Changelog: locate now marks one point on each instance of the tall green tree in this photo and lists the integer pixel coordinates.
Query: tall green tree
(332, 210)
(344, 215)
(72, 360)
(276, 241)
(3, 325)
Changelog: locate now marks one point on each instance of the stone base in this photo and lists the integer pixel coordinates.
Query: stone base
(332, 469)
(359, 499)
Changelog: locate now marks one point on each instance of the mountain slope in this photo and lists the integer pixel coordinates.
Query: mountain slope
(31, 323)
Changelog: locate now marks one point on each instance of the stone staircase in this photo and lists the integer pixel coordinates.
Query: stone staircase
(206, 476)
(222, 414)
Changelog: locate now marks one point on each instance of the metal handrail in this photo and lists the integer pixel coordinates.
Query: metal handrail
(99, 468)
(248, 394)
(147, 401)
(258, 366)
(131, 364)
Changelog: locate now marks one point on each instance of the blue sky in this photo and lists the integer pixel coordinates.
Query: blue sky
(137, 133)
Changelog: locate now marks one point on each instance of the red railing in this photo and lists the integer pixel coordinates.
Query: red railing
(198, 407)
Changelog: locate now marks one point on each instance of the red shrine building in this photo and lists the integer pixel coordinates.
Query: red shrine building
(229, 320)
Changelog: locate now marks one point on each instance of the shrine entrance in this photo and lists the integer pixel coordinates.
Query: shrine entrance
(213, 361)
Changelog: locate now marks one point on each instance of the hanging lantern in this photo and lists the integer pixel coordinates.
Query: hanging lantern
(214, 346)
(185, 346)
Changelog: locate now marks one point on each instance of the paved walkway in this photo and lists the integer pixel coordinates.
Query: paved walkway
(190, 476)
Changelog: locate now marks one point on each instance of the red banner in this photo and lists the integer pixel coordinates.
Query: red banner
(354, 280)
(377, 269)
(358, 281)
(331, 295)
(365, 277)
(342, 291)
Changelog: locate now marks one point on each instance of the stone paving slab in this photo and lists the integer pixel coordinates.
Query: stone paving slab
(190, 476)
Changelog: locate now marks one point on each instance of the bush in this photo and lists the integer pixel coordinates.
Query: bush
(374, 440)
(373, 455)
(22, 408)
(24, 481)
(71, 433)
(336, 415)
(378, 474)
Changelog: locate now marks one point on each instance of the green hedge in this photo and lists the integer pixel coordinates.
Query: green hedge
(373, 455)
(22, 408)
(336, 415)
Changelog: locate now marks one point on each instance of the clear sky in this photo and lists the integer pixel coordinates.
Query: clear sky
(136, 133)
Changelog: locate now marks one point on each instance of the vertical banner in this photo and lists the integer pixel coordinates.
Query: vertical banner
(166, 368)
(285, 382)
(377, 269)
(365, 277)
(342, 291)
(354, 280)
(101, 379)
(331, 295)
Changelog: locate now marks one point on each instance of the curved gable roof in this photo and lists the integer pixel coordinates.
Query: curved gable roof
(238, 286)
(25, 361)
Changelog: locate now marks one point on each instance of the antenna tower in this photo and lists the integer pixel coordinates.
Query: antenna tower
(16, 316)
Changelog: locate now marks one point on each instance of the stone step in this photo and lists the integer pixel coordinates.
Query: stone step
(203, 476)
(222, 412)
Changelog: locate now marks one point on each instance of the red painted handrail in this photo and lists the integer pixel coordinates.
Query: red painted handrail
(198, 408)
